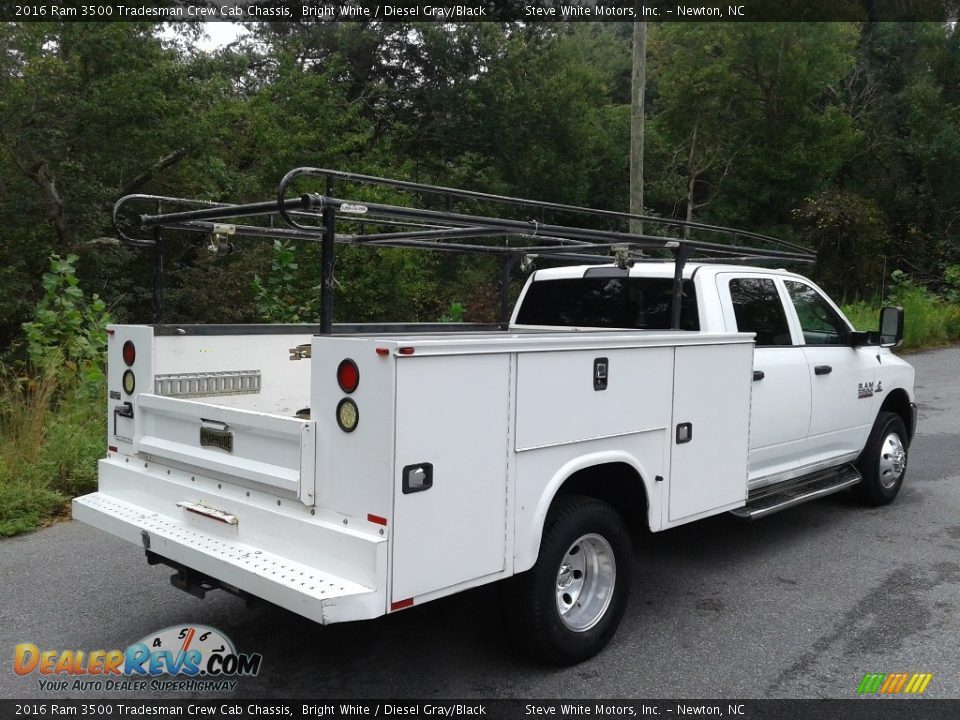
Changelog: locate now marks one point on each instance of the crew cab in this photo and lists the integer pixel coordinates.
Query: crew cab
(349, 473)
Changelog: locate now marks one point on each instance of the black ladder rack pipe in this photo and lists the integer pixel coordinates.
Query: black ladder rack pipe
(327, 259)
(440, 230)
(542, 205)
(522, 228)
(220, 212)
(533, 229)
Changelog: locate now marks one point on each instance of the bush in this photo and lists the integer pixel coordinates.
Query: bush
(24, 406)
(280, 297)
(51, 437)
(928, 320)
(24, 506)
(52, 423)
(67, 330)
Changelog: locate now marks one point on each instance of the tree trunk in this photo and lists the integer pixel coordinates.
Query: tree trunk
(638, 87)
(692, 175)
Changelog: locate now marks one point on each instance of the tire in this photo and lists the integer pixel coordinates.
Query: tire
(883, 462)
(566, 608)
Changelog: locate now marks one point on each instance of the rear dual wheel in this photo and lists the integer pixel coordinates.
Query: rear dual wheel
(566, 608)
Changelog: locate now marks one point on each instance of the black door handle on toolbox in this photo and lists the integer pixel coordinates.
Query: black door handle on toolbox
(758, 375)
(822, 370)
(125, 410)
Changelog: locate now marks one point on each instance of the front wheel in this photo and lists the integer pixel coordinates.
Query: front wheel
(883, 462)
(566, 608)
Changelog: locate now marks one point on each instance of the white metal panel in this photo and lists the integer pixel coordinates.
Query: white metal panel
(354, 470)
(120, 429)
(284, 383)
(842, 412)
(268, 451)
(548, 339)
(540, 473)
(780, 411)
(780, 403)
(303, 588)
(452, 412)
(312, 536)
(712, 393)
(557, 403)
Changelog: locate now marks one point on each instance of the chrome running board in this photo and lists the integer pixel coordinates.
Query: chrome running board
(774, 498)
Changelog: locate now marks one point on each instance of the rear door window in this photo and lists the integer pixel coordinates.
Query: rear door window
(759, 309)
(608, 302)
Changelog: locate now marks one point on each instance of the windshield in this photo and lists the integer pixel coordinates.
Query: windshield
(607, 302)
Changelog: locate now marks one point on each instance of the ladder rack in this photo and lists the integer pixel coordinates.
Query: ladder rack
(441, 219)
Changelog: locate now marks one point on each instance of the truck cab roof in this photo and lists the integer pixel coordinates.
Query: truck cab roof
(652, 269)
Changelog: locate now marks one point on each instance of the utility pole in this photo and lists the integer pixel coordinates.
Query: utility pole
(637, 87)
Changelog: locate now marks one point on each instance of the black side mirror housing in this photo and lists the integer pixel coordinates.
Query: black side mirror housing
(891, 327)
(860, 338)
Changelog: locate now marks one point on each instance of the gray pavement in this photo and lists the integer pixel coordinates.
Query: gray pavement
(801, 604)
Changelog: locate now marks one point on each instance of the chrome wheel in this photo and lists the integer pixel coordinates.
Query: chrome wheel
(585, 582)
(893, 460)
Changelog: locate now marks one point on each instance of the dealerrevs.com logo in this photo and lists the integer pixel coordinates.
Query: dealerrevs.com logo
(178, 658)
(894, 683)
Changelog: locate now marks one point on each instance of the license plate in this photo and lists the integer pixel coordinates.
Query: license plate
(221, 439)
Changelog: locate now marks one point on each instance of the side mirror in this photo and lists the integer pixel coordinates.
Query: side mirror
(891, 326)
(859, 338)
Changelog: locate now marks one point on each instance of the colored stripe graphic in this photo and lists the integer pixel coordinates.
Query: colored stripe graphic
(894, 683)
(918, 683)
(871, 682)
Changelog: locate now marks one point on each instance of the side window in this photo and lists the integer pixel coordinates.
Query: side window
(758, 309)
(820, 323)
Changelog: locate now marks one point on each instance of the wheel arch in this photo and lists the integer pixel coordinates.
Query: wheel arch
(617, 478)
(897, 401)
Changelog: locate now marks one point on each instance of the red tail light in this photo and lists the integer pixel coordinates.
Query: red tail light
(348, 376)
(129, 352)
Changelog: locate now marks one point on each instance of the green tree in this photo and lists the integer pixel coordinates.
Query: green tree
(849, 233)
(904, 96)
(88, 112)
(745, 119)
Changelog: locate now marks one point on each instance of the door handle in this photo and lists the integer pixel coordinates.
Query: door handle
(417, 478)
(758, 375)
(822, 370)
(125, 410)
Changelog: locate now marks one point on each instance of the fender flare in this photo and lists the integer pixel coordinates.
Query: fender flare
(528, 543)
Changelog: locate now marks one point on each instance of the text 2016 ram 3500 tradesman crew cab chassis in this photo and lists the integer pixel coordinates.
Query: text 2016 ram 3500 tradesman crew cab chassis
(346, 476)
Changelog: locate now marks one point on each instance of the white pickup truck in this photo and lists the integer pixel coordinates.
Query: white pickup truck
(345, 477)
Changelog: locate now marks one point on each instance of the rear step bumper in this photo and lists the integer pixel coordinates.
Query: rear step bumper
(265, 555)
(772, 499)
(303, 589)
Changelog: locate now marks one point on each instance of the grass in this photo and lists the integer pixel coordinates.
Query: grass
(51, 436)
(928, 320)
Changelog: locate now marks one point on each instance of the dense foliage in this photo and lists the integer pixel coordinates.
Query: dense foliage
(841, 136)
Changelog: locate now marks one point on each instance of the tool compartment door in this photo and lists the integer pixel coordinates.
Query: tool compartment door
(711, 398)
(453, 413)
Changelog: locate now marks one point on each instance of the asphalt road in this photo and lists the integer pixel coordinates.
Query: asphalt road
(801, 604)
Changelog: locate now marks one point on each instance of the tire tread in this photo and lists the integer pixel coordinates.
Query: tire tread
(532, 619)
